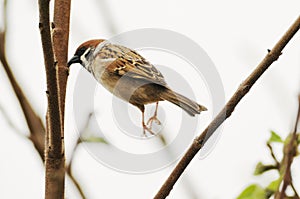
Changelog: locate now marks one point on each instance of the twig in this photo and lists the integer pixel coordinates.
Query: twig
(186, 183)
(79, 141)
(298, 117)
(70, 173)
(244, 88)
(290, 151)
(76, 183)
(295, 191)
(35, 125)
(273, 155)
(69, 167)
(4, 16)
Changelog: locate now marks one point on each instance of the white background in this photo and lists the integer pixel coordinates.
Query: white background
(235, 34)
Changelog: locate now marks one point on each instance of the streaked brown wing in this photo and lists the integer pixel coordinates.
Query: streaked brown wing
(132, 64)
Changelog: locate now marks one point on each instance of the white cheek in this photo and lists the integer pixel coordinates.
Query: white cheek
(85, 62)
(84, 58)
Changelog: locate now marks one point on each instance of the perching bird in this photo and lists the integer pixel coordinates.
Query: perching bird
(130, 77)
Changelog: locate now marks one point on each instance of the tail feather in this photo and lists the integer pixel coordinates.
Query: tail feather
(189, 106)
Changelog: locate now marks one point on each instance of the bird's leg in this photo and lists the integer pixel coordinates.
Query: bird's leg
(154, 117)
(145, 127)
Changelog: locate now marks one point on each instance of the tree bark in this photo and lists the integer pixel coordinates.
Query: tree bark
(226, 112)
(55, 57)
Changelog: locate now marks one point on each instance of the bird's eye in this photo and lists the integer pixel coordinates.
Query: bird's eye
(80, 51)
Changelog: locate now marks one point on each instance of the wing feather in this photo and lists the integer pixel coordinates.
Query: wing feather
(130, 63)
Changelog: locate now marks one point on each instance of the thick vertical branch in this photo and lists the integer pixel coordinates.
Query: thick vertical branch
(35, 125)
(227, 110)
(60, 40)
(54, 151)
(60, 45)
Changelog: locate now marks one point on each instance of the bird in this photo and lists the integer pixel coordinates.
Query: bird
(129, 76)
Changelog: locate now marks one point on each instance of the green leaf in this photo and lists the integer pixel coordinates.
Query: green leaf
(259, 169)
(94, 139)
(253, 191)
(275, 138)
(274, 185)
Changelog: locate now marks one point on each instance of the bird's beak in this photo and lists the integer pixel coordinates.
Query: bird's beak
(74, 59)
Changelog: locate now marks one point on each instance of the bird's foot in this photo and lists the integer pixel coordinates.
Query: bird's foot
(153, 119)
(147, 129)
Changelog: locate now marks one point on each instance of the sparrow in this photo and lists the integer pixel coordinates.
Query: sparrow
(129, 76)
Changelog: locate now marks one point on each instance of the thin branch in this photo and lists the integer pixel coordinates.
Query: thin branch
(186, 183)
(37, 130)
(70, 173)
(69, 167)
(79, 140)
(35, 125)
(295, 130)
(77, 185)
(273, 155)
(295, 191)
(4, 17)
(290, 151)
(244, 88)
(298, 117)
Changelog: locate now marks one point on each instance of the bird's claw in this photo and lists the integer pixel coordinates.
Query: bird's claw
(153, 119)
(146, 128)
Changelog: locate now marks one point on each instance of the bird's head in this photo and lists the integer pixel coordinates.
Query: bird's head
(84, 51)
